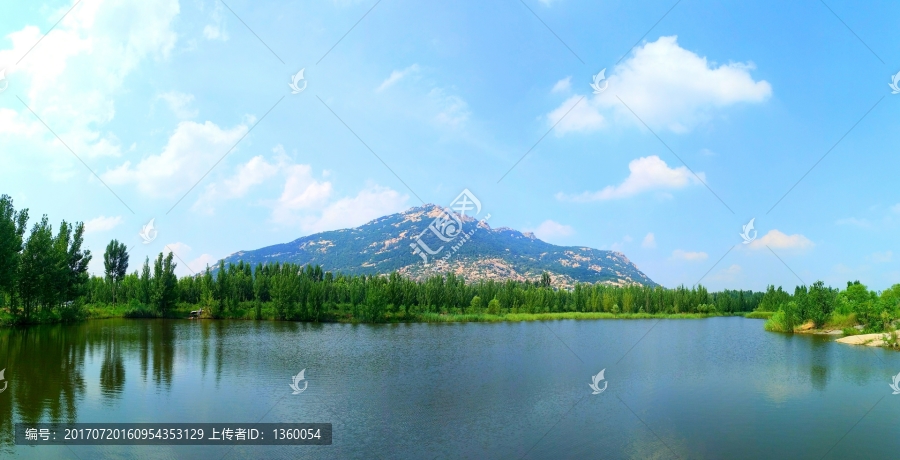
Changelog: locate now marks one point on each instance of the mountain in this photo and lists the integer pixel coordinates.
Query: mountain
(476, 252)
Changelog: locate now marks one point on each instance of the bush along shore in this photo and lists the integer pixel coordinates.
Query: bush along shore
(864, 317)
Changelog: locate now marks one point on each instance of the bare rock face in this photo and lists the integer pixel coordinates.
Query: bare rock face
(477, 252)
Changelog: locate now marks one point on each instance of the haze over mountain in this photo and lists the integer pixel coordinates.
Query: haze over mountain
(387, 244)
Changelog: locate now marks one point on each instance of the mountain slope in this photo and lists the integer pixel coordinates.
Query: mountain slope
(386, 244)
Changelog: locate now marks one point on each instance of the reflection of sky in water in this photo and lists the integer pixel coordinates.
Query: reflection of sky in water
(714, 388)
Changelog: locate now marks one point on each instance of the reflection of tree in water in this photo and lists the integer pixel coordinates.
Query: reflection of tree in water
(163, 351)
(112, 370)
(157, 347)
(44, 375)
(45, 366)
(820, 360)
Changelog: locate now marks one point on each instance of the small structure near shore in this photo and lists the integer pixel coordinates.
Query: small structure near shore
(195, 314)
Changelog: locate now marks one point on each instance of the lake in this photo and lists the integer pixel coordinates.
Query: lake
(711, 388)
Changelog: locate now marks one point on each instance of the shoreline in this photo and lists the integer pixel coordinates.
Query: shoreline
(341, 317)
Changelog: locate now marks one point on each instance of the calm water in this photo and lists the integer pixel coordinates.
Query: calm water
(713, 388)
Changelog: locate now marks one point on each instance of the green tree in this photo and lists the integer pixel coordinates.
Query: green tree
(494, 306)
(820, 303)
(115, 262)
(164, 283)
(545, 280)
(12, 230)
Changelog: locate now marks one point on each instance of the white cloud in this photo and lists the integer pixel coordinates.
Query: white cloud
(647, 173)
(668, 87)
(191, 150)
(707, 153)
(687, 255)
(579, 115)
(883, 257)
(862, 223)
(397, 75)
(184, 268)
(727, 275)
(302, 192)
(216, 30)
(102, 224)
(71, 78)
(371, 202)
(179, 103)
(778, 240)
(452, 110)
(620, 245)
(734, 269)
(562, 86)
(180, 249)
(649, 241)
(550, 230)
(254, 172)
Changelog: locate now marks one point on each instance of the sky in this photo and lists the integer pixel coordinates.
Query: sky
(701, 117)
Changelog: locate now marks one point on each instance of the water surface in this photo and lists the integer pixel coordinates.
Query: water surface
(712, 388)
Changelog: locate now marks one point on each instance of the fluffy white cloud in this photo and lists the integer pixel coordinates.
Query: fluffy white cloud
(371, 202)
(397, 75)
(668, 87)
(102, 224)
(246, 176)
(71, 77)
(778, 240)
(549, 230)
(562, 86)
(646, 174)
(184, 267)
(179, 103)
(302, 192)
(649, 241)
(688, 255)
(191, 150)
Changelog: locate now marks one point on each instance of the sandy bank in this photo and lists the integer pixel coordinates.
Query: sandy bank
(871, 340)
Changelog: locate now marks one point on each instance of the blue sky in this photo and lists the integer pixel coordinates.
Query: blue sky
(716, 113)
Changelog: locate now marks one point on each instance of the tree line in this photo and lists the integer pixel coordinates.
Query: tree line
(43, 277)
(308, 293)
(827, 306)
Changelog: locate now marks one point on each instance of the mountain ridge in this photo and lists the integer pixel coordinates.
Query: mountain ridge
(476, 251)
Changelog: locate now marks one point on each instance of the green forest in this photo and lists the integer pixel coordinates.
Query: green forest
(44, 278)
(854, 310)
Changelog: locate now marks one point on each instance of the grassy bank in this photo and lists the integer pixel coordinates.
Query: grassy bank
(759, 314)
(345, 314)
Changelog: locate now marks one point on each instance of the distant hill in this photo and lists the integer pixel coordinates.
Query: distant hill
(384, 245)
